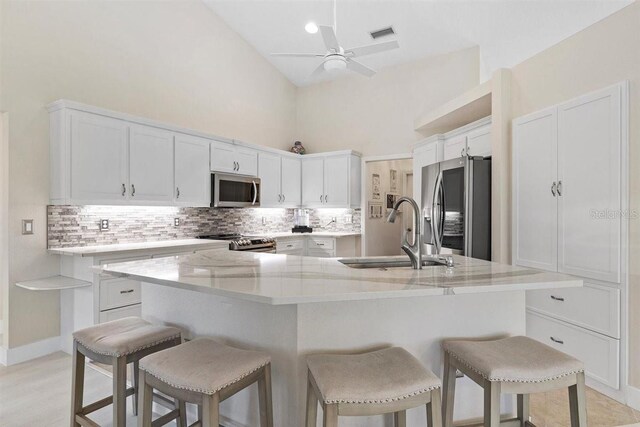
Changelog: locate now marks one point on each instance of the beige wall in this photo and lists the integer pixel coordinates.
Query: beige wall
(601, 55)
(375, 116)
(170, 61)
(381, 237)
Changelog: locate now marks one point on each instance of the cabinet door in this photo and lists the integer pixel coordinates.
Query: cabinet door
(313, 182)
(98, 159)
(479, 142)
(192, 175)
(589, 202)
(247, 160)
(336, 181)
(455, 147)
(291, 181)
(534, 203)
(150, 165)
(269, 168)
(223, 157)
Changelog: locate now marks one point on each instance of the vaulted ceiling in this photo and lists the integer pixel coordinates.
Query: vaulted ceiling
(506, 31)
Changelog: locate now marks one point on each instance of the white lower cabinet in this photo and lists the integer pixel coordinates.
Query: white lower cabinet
(600, 353)
(320, 247)
(119, 292)
(290, 246)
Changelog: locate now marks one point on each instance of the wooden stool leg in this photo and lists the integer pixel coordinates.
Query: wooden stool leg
(491, 404)
(136, 385)
(145, 403)
(578, 402)
(119, 391)
(523, 409)
(264, 397)
(181, 406)
(434, 409)
(400, 419)
(211, 411)
(77, 384)
(312, 404)
(330, 416)
(449, 390)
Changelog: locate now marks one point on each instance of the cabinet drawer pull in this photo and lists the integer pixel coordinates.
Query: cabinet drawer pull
(325, 198)
(128, 291)
(553, 189)
(133, 190)
(279, 198)
(560, 188)
(177, 192)
(555, 298)
(283, 198)
(321, 198)
(289, 246)
(319, 244)
(124, 190)
(556, 340)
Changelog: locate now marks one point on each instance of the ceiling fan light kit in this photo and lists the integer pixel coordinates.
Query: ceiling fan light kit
(337, 58)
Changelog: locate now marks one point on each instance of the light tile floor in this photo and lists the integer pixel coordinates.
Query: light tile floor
(36, 394)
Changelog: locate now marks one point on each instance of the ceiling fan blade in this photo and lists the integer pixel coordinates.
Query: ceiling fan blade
(329, 37)
(318, 71)
(372, 48)
(300, 55)
(359, 68)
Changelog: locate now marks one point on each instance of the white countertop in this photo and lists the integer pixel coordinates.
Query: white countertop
(287, 279)
(140, 247)
(336, 234)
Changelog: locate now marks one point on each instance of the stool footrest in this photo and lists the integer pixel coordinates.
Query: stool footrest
(99, 404)
(165, 418)
(85, 422)
(510, 422)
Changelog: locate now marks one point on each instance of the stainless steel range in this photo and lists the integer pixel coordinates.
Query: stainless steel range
(238, 242)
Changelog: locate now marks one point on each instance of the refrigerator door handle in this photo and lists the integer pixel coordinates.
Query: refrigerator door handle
(435, 218)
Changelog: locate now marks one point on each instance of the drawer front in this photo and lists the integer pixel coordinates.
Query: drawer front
(289, 245)
(600, 354)
(120, 313)
(297, 252)
(321, 243)
(593, 306)
(115, 293)
(321, 253)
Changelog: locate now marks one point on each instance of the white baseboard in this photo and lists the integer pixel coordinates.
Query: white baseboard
(3, 356)
(633, 397)
(30, 351)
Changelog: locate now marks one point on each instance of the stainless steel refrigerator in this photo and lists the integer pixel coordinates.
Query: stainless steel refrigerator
(456, 207)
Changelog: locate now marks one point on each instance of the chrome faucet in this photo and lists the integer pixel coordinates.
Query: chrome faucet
(414, 250)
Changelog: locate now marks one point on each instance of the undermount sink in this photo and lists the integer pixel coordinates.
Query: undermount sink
(382, 262)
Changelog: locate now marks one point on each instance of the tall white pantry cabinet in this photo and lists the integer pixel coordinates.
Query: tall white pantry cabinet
(570, 215)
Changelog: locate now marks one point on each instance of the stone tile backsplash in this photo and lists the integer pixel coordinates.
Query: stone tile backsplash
(69, 226)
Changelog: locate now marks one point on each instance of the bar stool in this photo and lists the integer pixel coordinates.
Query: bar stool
(116, 343)
(515, 365)
(380, 382)
(204, 372)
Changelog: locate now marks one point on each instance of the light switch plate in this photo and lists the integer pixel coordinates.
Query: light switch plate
(264, 221)
(27, 226)
(348, 219)
(104, 224)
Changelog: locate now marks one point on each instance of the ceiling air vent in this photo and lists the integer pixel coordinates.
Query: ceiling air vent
(382, 33)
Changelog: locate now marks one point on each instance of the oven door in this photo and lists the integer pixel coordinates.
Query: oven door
(232, 191)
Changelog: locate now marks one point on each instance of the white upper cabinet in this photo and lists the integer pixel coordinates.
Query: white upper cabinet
(291, 182)
(269, 165)
(589, 185)
(424, 154)
(150, 165)
(331, 181)
(192, 176)
(230, 158)
(479, 142)
(534, 193)
(455, 147)
(313, 182)
(96, 171)
(568, 186)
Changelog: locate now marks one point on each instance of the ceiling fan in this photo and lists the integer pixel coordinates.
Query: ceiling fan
(336, 57)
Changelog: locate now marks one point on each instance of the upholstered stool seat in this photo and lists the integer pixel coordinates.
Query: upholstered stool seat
(204, 372)
(516, 365)
(116, 343)
(375, 383)
(515, 359)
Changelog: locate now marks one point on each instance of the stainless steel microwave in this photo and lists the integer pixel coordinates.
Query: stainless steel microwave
(234, 191)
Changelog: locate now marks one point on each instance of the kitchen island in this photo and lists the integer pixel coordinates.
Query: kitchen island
(292, 306)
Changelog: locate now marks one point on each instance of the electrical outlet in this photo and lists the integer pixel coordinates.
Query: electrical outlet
(334, 219)
(104, 224)
(27, 226)
(348, 219)
(176, 221)
(264, 220)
